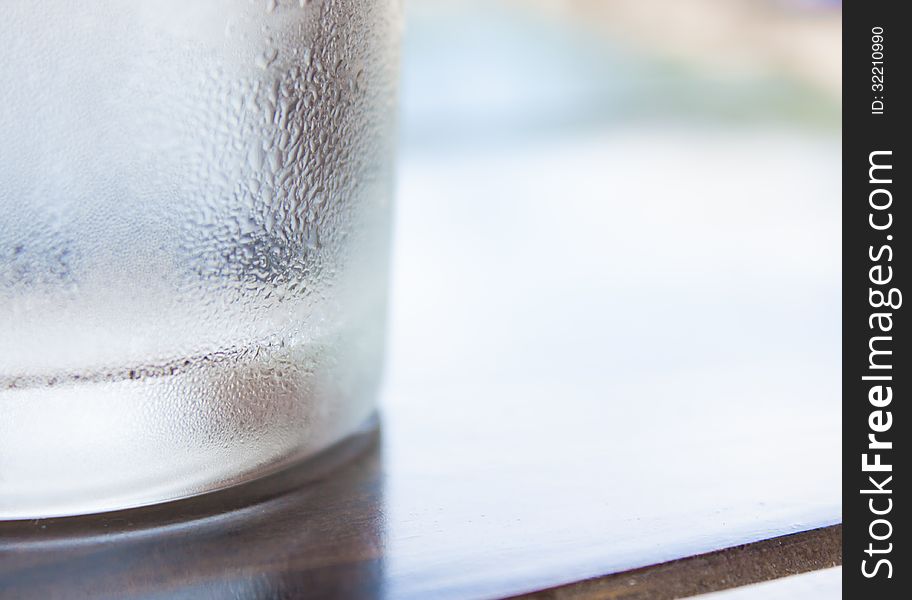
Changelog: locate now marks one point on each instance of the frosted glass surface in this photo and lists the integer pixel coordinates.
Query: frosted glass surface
(193, 241)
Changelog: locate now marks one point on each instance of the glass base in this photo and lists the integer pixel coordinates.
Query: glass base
(94, 446)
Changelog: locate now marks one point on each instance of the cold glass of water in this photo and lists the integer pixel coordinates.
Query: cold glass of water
(194, 230)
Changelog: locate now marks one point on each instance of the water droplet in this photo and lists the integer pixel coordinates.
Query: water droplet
(267, 57)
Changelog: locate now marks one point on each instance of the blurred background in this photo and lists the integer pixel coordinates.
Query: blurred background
(480, 72)
(617, 244)
(618, 240)
(632, 183)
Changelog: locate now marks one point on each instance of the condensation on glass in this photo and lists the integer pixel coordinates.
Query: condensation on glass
(194, 223)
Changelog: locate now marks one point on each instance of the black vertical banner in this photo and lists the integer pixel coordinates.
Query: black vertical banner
(877, 375)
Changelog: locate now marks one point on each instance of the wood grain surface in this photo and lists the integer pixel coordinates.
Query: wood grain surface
(723, 569)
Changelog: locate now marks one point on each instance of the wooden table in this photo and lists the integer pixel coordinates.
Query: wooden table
(630, 394)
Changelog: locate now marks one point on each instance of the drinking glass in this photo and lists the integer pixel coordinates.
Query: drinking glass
(194, 231)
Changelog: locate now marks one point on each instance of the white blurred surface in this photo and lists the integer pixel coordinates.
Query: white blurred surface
(625, 254)
(616, 289)
(816, 585)
(636, 334)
